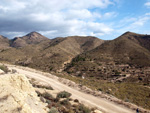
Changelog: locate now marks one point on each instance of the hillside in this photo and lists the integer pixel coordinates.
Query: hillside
(36, 51)
(4, 42)
(60, 51)
(143, 40)
(31, 38)
(122, 56)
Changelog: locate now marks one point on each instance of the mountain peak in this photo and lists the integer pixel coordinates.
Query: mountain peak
(34, 36)
(31, 38)
(2, 37)
(33, 33)
(129, 33)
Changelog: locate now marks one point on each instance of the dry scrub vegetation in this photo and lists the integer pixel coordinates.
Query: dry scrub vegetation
(61, 103)
(129, 92)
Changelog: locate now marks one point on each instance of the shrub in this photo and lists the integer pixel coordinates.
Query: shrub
(4, 68)
(53, 110)
(76, 100)
(14, 71)
(84, 109)
(65, 102)
(42, 86)
(63, 94)
(47, 96)
(38, 93)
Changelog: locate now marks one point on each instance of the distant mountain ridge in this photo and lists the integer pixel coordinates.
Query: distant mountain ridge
(31, 38)
(53, 54)
(128, 54)
(80, 55)
(36, 50)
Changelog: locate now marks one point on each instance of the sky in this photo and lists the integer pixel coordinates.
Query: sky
(105, 19)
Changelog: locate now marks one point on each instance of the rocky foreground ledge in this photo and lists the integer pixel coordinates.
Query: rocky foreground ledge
(18, 95)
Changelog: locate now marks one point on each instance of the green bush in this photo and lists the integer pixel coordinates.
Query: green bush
(4, 68)
(84, 109)
(47, 96)
(53, 110)
(65, 102)
(63, 94)
(42, 86)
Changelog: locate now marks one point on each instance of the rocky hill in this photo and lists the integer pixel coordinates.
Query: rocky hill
(127, 54)
(18, 96)
(36, 51)
(31, 38)
(4, 42)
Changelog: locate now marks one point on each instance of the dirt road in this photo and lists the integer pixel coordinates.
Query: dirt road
(100, 103)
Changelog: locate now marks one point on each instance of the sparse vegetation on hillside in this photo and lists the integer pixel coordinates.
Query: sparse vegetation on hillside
(129, 92)
(57, 105)
(36, 51)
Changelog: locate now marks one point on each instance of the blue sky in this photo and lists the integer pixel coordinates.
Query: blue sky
(105, 19)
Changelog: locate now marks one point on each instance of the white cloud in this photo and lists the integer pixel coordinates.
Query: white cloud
(53, 17)
(3, 8)
(141, 21)
(12, 5)
(99, 28)
(147, 14)
(109, 15)
(147, 4)
(134, 24)
(39, 17)
(80, 14)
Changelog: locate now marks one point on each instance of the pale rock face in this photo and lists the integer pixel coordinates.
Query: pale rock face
(97, 111)
(1, 72)
(18, 96)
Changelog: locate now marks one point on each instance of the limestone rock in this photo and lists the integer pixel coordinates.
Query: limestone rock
(1, 72)
(97, 111)
(18, 96)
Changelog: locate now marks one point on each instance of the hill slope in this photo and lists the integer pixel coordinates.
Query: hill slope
(114, 58)
(31, 38)
(4, 42)
(39, 52)
(60, 51)
(143, 40)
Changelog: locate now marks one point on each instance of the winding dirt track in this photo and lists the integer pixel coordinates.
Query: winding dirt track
(100, 103)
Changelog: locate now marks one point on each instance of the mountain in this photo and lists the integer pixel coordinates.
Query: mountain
(4, 42)
(129, 49)
(60, 51)
(124, 55)
(31, 38)
(36, 51)
(142, 40)
(78, 53)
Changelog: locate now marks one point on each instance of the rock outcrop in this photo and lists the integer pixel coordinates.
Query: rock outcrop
(18, 96)
(1, 72)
